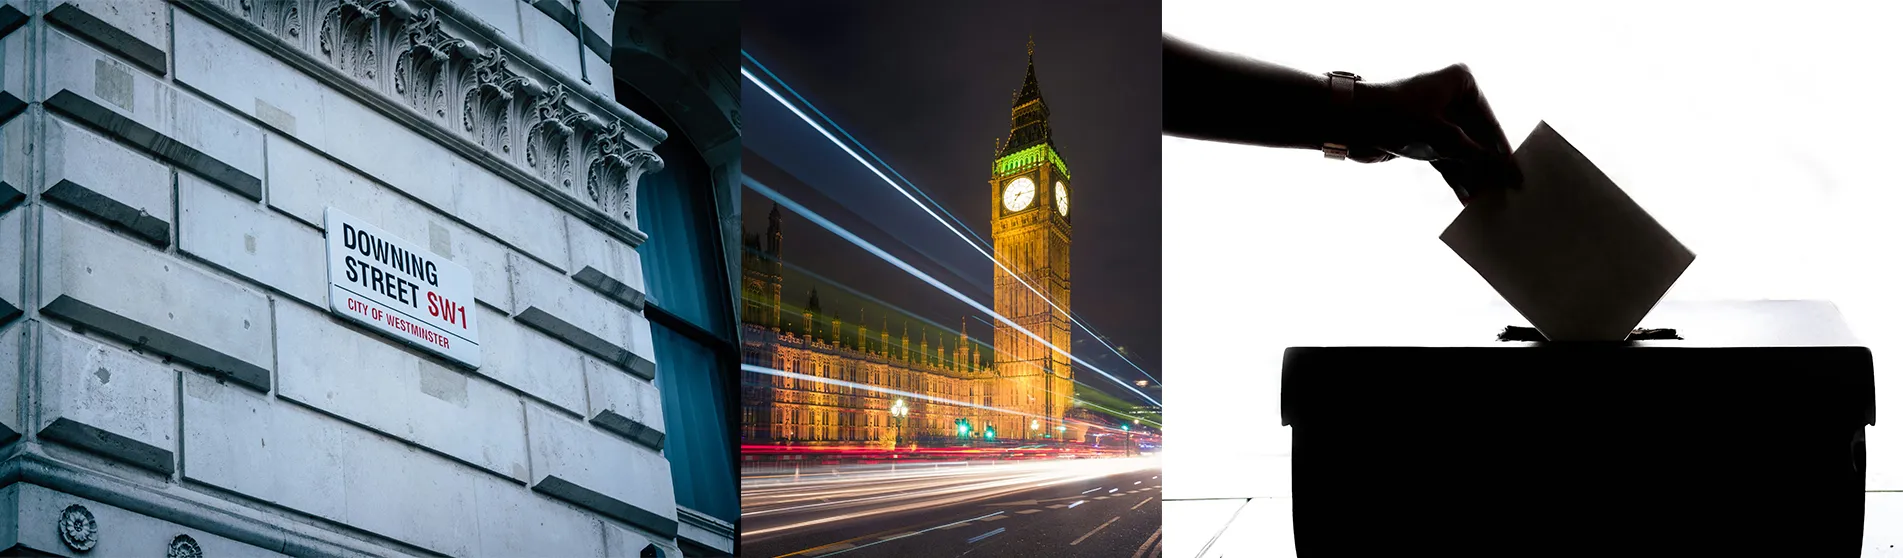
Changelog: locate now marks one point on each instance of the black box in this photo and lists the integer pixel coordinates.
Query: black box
(1746, 436)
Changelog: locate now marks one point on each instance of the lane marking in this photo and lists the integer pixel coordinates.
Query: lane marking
(894, 538)
(1093, 490)
(985, 536)
(1055, 506)
(1074, 504)
(1137, 482)
(1140, 504)
(1094, 531)
(1121, 495)
(1147, 543)
(995, 517)
(1113, 491)
(1101, 498)
(1028, 512)
(842, 545)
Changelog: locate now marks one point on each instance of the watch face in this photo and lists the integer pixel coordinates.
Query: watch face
(1063, 200)
(1019, 193)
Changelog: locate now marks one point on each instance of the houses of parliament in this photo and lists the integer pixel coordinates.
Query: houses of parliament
(1019, 390)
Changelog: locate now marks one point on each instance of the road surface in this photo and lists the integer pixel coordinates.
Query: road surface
(1066, 507)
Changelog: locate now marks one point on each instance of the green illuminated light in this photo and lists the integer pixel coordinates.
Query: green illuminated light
(1028, 156)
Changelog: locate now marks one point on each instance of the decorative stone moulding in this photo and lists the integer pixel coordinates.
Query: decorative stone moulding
(184, 547)
(456, 75)
(78, 529)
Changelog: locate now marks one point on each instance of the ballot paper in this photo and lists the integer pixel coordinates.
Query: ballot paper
(1569, 250)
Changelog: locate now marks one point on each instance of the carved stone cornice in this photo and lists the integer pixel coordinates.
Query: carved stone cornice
(460, 82)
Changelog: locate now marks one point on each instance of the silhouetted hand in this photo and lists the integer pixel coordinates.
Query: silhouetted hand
(1440, 117)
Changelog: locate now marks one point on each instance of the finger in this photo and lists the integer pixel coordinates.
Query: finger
(1451, 142)
(1458, 177)
(1471, 112)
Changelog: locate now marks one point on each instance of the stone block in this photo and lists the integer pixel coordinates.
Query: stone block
(107, 401)
(12, 341)
(529, 361)
(105, 283)
(576, 463)
(551, 39)
(624, 542)
(16, 161)
(367, 380)
(137, 30)
(605, 264)
(598, 21)
(601, 75)
(108, 181)
(121, 532)
(335, 124)
(242, 237)
(13, 67)
(95, 88)
(523, 220)
(303, 183)
(12, 16)
(516, 522)
(625, 405)
(291, 456)
(12, 268)
(500, 14)
(547, 301)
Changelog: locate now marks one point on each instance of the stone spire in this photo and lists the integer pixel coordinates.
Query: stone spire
(1030, 119)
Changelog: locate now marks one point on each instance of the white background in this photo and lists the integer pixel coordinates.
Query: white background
(1766, 139)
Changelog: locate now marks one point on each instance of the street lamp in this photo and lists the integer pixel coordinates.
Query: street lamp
(900, 410)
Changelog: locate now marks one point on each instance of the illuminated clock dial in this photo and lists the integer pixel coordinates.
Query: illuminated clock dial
(1019, 193)
(1063, 200)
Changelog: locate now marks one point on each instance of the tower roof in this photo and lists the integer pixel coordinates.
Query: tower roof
(1028, 91)
(1030, 119)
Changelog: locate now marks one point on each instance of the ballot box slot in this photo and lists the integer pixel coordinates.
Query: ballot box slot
(1527, 334)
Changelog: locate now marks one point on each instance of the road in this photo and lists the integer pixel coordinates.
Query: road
(1108, 508)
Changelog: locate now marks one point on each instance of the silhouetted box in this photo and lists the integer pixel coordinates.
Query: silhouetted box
(1744, 437)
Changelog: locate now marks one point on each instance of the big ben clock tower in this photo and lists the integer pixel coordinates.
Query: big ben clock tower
(1030, 231)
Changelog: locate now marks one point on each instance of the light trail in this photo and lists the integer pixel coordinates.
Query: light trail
(855, 141)
(824, 223)
(889, 391)
(852, 492)
(794, 308)
(969, 240)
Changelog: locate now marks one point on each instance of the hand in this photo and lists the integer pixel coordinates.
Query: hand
(1439, 117)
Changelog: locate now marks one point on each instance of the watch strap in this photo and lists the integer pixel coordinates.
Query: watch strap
(1341, 86)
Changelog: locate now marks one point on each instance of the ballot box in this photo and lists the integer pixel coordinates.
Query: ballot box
(1745, 436)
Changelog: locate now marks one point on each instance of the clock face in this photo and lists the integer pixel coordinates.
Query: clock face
(1019, 193)
(1063, 200)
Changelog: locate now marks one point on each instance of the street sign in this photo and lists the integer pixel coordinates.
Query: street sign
(399, 290)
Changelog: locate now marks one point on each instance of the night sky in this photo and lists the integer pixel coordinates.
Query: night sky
(927, 87)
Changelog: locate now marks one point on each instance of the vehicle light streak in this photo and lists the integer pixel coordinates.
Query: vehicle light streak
(908, 195)
(778, 505)
(824, 223)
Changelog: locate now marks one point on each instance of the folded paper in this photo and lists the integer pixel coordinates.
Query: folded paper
(1569, 250)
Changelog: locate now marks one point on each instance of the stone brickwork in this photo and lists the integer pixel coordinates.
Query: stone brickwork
(171, 377)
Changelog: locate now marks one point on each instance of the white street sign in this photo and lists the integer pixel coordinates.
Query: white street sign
(403, 291)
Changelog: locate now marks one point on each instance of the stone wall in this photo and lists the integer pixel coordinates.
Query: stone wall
(164, 170)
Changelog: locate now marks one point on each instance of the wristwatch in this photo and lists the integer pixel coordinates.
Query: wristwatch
(1342, 93)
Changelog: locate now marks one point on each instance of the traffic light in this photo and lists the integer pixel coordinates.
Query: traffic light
(990, 433)
(964, 427)
(1126, 427)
